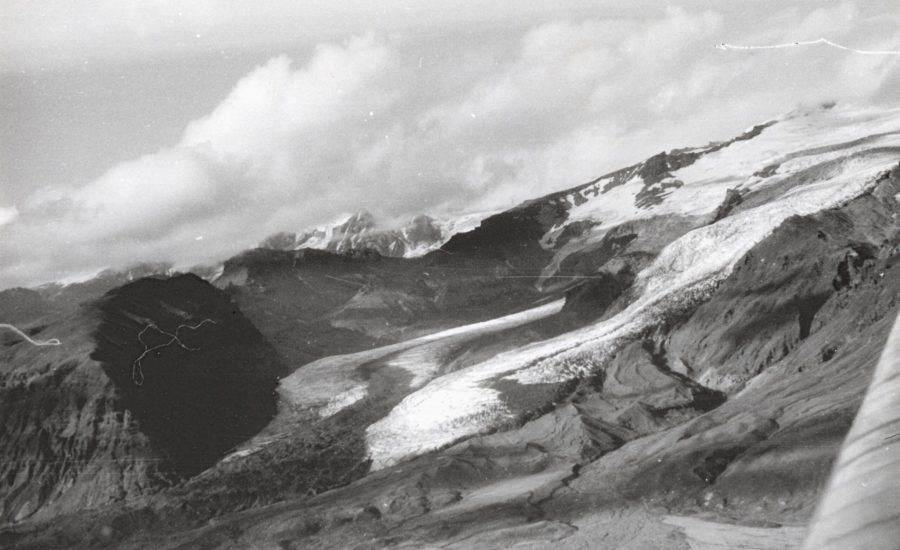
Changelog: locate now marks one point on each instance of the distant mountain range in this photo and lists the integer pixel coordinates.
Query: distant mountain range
(360, 231)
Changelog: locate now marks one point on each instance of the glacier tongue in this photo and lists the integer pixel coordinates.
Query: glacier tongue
(328, 385)
(686, 271)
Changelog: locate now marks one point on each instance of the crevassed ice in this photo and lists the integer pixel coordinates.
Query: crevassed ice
(459, 404)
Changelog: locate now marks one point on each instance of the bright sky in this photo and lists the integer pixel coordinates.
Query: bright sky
(132, 128)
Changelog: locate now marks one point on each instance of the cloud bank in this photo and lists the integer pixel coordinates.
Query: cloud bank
(366, 123)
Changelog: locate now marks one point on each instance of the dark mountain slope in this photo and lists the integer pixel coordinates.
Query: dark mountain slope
(311, 303)
(68, 441)
(78, 430)
(22, 305)
(200, 394)
(511, 237)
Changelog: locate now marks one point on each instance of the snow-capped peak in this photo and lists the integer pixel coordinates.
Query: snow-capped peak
(361, 231)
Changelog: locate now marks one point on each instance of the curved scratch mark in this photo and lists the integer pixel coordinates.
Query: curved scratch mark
(137, 373)
(726, 46)
(50, 342)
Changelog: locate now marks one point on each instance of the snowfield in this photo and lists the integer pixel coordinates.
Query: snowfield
(792, 144)
(462, 404)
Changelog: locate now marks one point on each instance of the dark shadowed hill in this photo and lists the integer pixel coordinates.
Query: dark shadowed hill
(80, 432)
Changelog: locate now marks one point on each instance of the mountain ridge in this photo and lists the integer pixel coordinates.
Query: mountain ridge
(361, 231)
(693, 331)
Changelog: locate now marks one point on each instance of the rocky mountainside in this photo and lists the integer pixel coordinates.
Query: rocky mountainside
(149, 385)
(665, 357)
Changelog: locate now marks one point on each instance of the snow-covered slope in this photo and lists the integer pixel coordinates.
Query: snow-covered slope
(705, 182)
(821, 160)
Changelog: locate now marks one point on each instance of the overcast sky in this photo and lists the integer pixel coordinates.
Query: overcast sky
(188, 131)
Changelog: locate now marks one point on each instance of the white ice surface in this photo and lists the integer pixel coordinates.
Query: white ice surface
(794, 143)
(460, 404)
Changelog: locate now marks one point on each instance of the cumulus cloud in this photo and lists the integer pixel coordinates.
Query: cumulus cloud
(361, 124)
(8, 215)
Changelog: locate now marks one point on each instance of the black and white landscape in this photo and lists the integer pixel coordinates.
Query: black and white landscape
(598, 275)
